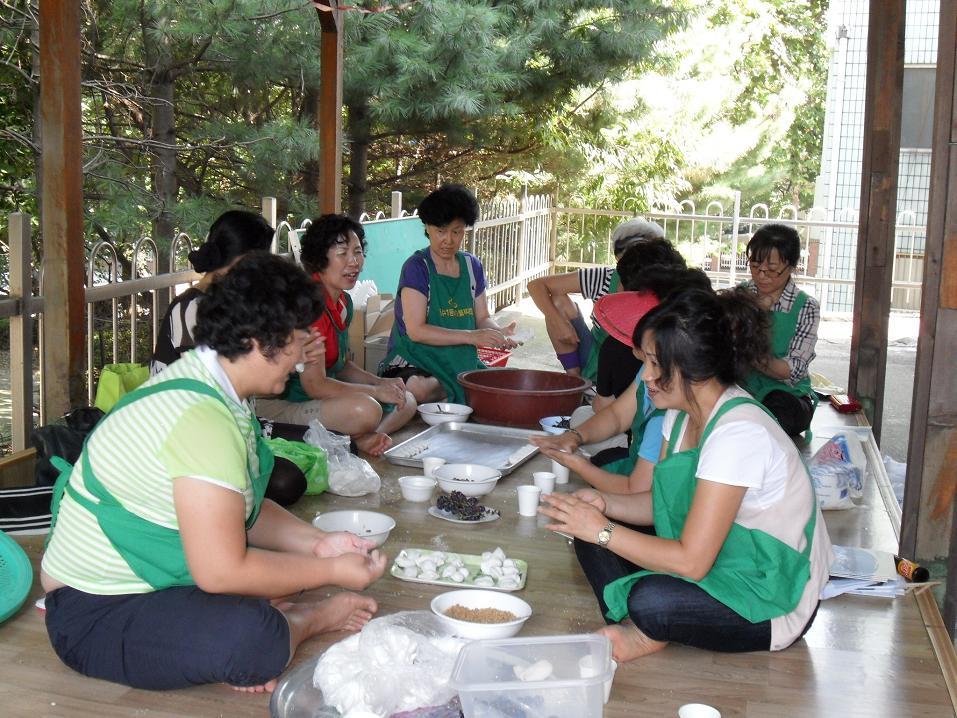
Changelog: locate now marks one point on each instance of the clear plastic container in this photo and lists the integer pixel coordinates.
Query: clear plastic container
(488, 673)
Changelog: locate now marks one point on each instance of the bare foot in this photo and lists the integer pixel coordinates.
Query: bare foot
(628, 642)
(374, 444)
(345, 611)
(267, 687)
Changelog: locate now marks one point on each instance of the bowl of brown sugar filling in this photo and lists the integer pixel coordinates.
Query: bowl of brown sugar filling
(475, 613)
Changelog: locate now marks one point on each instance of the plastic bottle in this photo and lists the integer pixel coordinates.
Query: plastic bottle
(910, 570)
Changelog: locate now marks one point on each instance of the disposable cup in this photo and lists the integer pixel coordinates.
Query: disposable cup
(561, 472)
(588, 667)
(430, 464)
(545, 480)
(698, 710)
(528, 496)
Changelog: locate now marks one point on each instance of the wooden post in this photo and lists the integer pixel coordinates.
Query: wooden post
(929, 525)
(330, 110)
(62, 214)
(875, 243)
(21, 332)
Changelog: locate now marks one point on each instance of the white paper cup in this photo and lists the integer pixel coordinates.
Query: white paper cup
(545, 480)
(698, 710)
(430, 464)
(528, 496)
(588, 668)
(561, 472)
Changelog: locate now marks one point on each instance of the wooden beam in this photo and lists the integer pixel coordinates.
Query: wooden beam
(929, 526)
(330, 110)
(875, 243)
(62, 214)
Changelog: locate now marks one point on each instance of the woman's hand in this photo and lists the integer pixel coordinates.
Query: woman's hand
(490, 338)
(566, 442)
(574, 516)
(314, 349)
(339, 543)
(390, 391)
(355, 571)
(593, 497)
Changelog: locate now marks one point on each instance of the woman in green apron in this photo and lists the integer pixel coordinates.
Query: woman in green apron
(441, 314)
(741, 551)
(779, 379)
(337, 392)
(165, 562)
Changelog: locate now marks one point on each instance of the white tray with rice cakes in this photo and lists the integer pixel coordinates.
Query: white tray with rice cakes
(460, 570)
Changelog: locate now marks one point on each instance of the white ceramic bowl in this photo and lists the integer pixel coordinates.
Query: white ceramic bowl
(416, 488)
(551, 424)
(479, 598)
(441, 412)
(365, 524)
(470, 479)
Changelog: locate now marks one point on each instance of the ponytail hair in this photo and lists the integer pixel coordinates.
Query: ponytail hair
(703, 335)
(233, 234)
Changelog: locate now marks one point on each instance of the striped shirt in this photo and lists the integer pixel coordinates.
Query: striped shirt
(136, 454)
(595, 281)
(801, 350)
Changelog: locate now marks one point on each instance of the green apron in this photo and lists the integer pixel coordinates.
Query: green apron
(783, 327)
(754, 574)
(153, 552)
(626, 465)
(598, 335)
(451, 306)
(294, 391)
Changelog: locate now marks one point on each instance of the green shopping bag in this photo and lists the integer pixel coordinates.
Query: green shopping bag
(117, 380)
(311, 460)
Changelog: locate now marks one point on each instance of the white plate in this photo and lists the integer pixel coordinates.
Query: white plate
(490, 515)
(472, 563)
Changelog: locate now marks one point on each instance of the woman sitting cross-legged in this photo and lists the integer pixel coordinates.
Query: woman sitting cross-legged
(164, 555)
(337, 392)
(741, 551)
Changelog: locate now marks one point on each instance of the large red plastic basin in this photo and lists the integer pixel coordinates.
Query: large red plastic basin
(520, 397)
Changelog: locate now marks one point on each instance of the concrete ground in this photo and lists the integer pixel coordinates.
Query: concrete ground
(833, 360)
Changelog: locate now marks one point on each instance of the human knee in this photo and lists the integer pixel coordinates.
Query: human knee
(565, 305)
(650, 606)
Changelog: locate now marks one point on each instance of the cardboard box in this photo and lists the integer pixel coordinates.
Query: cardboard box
(372, 322)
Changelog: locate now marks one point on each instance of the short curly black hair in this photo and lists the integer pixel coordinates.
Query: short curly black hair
(448, 203)
(263, 297)
(323, 233)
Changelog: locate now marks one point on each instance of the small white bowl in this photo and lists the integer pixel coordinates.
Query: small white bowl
(416, 488)
(364, 524)
(441, 412)
(479, 598)
(470, 479)
(551, 424)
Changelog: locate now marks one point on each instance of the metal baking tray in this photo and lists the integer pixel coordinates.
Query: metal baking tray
(501, 447)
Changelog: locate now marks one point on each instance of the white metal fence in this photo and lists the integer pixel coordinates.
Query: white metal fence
(714, 240)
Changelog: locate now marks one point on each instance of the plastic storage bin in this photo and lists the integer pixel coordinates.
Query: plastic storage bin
(486, 678)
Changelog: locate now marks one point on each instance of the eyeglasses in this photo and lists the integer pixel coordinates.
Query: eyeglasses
(768, 271)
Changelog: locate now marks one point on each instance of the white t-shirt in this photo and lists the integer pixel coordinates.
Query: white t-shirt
(748, 448)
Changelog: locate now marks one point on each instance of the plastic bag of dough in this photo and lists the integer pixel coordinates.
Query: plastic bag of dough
(396, 663)
(348, 474)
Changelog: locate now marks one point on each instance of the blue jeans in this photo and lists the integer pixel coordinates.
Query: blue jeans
(172, 638)
(670, 609)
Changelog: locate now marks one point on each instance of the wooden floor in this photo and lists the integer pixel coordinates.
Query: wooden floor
(863, 657)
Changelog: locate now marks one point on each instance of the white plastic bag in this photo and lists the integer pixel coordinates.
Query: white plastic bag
(364, 289)
(396, 663)
(348, 474)
(837, 472)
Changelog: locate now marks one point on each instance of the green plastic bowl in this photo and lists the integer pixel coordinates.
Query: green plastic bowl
(16, 577)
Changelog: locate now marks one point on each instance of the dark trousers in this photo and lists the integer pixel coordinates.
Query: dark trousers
(173, 638)
(670, 609)
(794, 413)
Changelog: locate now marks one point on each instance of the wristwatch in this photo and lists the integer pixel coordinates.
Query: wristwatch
(604, 536)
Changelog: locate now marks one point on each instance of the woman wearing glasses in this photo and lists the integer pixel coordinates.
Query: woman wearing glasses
(780, 381)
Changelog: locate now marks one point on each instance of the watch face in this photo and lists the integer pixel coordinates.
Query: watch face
(604, 536)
